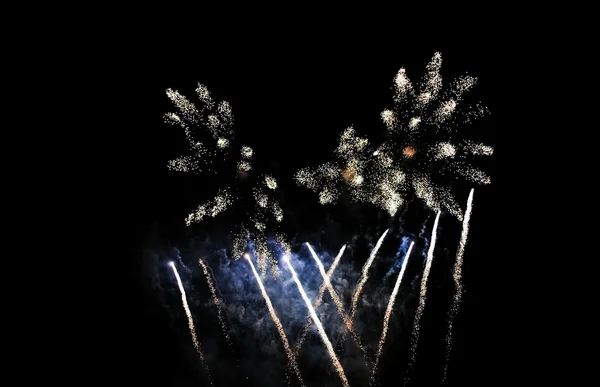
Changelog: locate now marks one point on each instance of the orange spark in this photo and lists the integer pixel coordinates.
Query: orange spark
(408, 152)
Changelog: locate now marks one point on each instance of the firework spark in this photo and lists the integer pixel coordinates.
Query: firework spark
(365, 275)
(217, 302)
(422, 131)
(284, 340)
(336, 300)
(315, 318)
(388, 313)
(458, 286)
(318, 301)
(188, 313)
(209, 130)
(422, 296)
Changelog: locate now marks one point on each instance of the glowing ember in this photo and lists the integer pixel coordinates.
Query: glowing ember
(408, 152)
(349, 174)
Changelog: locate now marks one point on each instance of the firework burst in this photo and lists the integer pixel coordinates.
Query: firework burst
(359, 170)
(421, 146)
(423, 140)
(209, 130)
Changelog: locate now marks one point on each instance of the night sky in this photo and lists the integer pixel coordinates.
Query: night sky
(291, 97)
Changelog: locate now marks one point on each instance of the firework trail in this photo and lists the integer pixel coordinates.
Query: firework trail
(213, 292)
(191, 322)
(458, 279)
(422, 296)
(388, 313)
(284, 340)
(365, 276)
(336, 300)
(318, 302)
(313, 314)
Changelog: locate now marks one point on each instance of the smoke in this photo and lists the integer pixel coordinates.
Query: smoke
(259, 357)
(398, 258)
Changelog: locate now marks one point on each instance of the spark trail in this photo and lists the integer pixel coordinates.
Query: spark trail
(313, 315)
(188, 313)
(336, 300)
(458, 280)
(213, 292)
(365, 276)
(284, 340)
(318, 302)
(388, 313)
(422, 297)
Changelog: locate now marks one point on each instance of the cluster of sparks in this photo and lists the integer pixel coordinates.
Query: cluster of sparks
(209, 130)
(420, 142)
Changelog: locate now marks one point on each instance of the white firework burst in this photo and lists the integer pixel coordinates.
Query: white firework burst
(210, 132)
(424, 139)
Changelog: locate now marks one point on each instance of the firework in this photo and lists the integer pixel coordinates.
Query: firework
(388, 313)
(209, 130)
(422, 144)
(188, 313)
(336, 300)
(315, 318)
(423, 140)
(217, 302)
(365, 275)
(284, 340)
(361, 283)
(318, 301)
(422, 295)
(367, 175)
(458, 286)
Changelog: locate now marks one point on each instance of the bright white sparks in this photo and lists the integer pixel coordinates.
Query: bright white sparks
(422, 295)
(318, 301)
(277, 322)
(388, 313)
(365, 275)
(190, 319)
(458, 286)
(217, 302)
(422, 139)
(336, 300)
(315, 318)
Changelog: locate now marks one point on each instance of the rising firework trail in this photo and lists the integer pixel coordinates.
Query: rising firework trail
(422, 297)
(313, 315)
(388, 313)
(188, 313)
(217, 301)
(458, 286)
(336, 300)
(318, 302)
(365, 276)
(284, 340)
